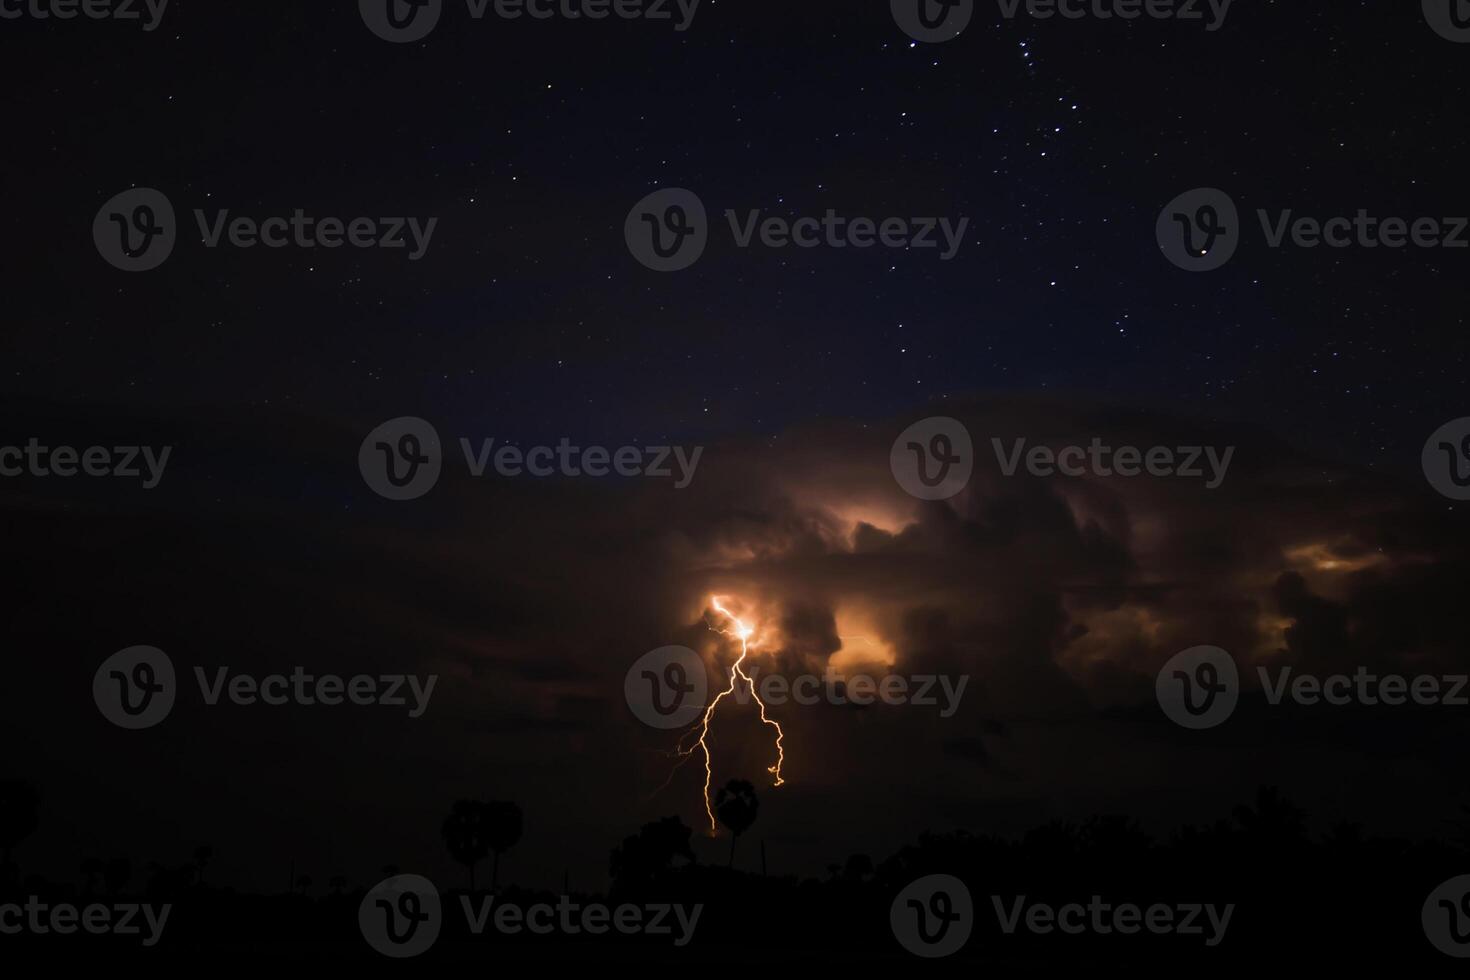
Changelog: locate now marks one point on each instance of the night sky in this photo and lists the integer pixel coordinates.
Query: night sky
(529, 321)
(530, 141)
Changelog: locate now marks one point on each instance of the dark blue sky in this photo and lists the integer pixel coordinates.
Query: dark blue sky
(529, 142)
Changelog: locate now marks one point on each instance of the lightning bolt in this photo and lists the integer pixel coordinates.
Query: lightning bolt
(743, 632)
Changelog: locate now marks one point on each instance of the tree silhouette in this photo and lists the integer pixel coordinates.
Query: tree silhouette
(202, 854)
(467, 834)
(736, 806)
(1352, 880)
(92, 870)
(18, 803)
(859, 867)
(474, 829)
(505, 830)
(117, 875)
(651, 852)
(1274, 822)
(1346, 836)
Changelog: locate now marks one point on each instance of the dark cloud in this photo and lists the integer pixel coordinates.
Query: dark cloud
(1058, 599)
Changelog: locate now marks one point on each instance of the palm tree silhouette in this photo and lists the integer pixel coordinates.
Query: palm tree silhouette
(92, 869)
(736, 806)
(474, 829)
(467, 834)
(117, 875)
(202, 854)
(505, 822)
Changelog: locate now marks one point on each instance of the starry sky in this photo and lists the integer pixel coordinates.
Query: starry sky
(529, 141)
(529, 320)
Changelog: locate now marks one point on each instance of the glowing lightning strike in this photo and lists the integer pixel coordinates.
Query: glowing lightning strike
(737, 671)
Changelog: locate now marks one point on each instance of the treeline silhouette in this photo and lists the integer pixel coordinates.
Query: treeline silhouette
(1338, 897)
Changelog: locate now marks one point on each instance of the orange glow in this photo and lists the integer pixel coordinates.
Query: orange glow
(882, 515)
(863, 647)
(1321, 558)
